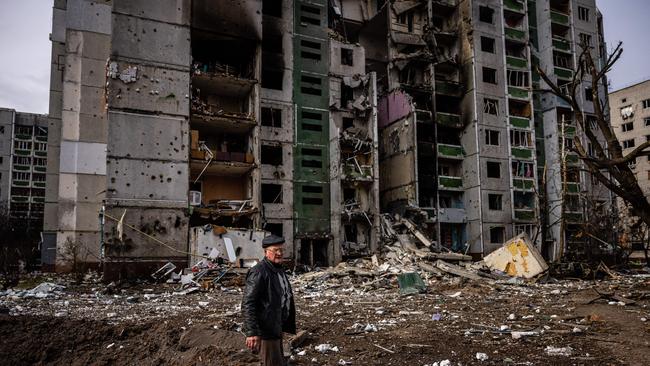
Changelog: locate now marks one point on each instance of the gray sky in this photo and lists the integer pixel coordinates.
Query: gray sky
(25, 26)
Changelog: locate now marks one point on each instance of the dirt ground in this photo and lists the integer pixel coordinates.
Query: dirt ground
(366, 320)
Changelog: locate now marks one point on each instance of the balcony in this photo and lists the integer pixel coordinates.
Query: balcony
(514, 5)
(521, 63)
(572, 159)
(524, 184)
(449, 119)
(354, 172)
(20, 183)
(221, 168)
(40, 154)
(38, 184)
(448, 88)
(573, 187)
(524, 214)
(23, 152)
(573, 217)
(37, 199)
(520, 122)
(563, 73)
(559, 18)
(515, 34)
(451, 152)
(22, 168)
(19, 198)
(224, 122)
(562, 44)
(41, 138)
(39, 169)
(519, 93)
(23, 136)
(522, 152)
(450, 183)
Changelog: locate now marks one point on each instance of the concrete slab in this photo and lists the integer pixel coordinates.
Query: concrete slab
(517, 258)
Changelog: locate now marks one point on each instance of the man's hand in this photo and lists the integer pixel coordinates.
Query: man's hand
(253, 343)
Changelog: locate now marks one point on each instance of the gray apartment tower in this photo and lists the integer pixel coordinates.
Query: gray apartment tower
(308, 119)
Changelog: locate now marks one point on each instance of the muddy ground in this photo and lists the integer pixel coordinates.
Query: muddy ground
(463, 321)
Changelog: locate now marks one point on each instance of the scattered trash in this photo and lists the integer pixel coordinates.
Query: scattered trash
(410, 283)
(481, 356)
(164, 271)
(326, 347)
(558, 351)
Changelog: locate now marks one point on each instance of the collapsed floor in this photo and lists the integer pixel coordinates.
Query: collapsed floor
(350, 314)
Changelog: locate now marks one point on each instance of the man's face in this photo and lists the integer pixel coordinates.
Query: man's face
(274, 253)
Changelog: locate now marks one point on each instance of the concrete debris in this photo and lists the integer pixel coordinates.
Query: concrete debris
(518, 257)
(164, 271)
(325, 347)
(558, 351)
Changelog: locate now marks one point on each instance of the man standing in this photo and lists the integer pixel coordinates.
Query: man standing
(268, 305)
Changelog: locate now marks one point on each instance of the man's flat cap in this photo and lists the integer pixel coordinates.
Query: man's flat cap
(272, 240)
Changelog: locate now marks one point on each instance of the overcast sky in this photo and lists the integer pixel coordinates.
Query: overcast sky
(25, 26)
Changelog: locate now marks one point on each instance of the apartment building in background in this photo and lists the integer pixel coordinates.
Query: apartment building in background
(630, 120)
(308, 119)
(23, 160)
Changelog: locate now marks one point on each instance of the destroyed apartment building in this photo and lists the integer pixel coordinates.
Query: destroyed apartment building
(185, 126)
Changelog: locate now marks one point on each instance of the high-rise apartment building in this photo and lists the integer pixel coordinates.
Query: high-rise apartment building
(307, 118)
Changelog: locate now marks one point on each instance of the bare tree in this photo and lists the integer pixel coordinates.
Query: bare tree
(606, 162)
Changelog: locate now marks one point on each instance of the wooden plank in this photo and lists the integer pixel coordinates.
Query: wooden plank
(455, 270)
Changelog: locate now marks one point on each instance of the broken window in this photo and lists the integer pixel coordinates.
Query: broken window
(347, 57)
(583, 14)
(628, 126)
(487, 44)
(522, 169)
(645, 103)
(271, 193)
(271, 117)
(521, 138)
(628, 143)
(312, 158)
(489, 75)
(585, 39)
(310, 50)
(347, 95)
(492, 137)
(485, 14)
(491, 106)
(406, 18)
(310, 15)
(589, 94)
(493, 169)
(311, 121)
(444, 170)
(271, 155)
(348, 122)
(275, 229)
(632, 163)
(272, 78)
(518, 78)
(272, 44)
(497, 234)
(310, 85)
(646, 121)
(494, 202)
(562, 60)
(272, 8)
(2, 129)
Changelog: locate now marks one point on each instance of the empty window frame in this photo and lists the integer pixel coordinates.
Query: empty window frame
(272, 78)
(23, 145)
(347, 57)
(521, 138)
(2, 129)
(310, 15)
(632, 163)
(487, 44)
(492, 137)
(271, 155)
(489, 75)
(628, 143)
(311, 85)
(583, 14)
(627, 126)
(272, 8)
(310, 50)
(493, 169)
(645, 103)
(497, 234)
(312, 200)
(406, 18)
(271, 117)
(522, 169)
(518, 78)
(275, 228)
(585, 39)
(271, 193)
(495, 202)
(589, 94)
(562, 60)
(486, 14)
(311, 121)
(312, 158)
(646, 121)
(491, 106)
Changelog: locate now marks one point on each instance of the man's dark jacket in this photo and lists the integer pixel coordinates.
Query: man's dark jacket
(262, 304)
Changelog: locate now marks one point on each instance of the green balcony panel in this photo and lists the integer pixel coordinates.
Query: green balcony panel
(450, 182)
(573, 187)
(41, 138)
(515, 34)
(562, 44)
(569, 130)
(516, 92)
(40, 169)
(559, 18)
(19, 198)
(516, 62)
(40, 153)
(524, 214)
(23, 152)
(523, 184)
(563, 73)
(574, 217)
(522, 152)
(20, 183)
(448, 119)
(450, 151)
(514, 5)
(520, 122)
(21, 136)
(572, 159)
(39, 184)
(448, 88)
(38, 199)
(21, 167)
